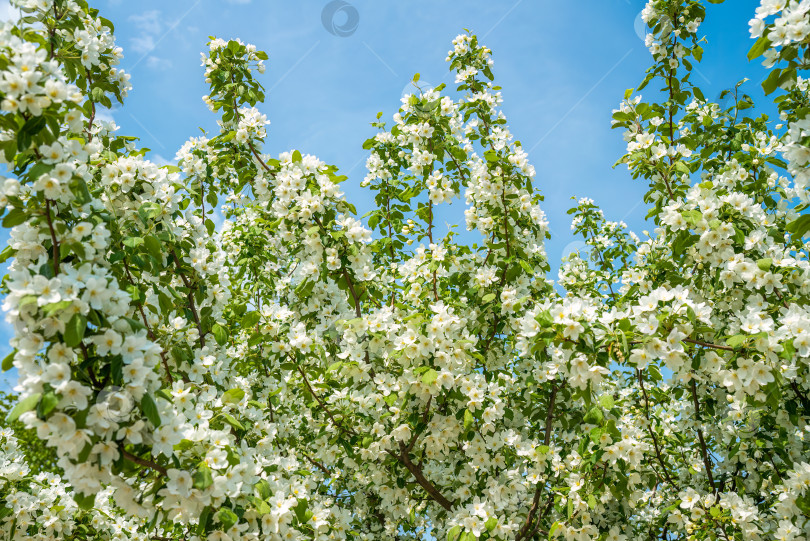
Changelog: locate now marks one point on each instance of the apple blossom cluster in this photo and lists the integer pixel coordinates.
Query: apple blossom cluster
(90, 36)
(115, 264)
(671, 22)
(720, 323)
(42, 506)
(793, 145)
(790, 25)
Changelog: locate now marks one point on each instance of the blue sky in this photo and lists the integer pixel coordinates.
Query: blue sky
(563, 67)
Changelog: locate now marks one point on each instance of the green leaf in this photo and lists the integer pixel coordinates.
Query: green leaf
(54, 307)
(231, 420)
(468, 419)
(149, 211)
(693, 217)
(250, 319)
(606, 401)
(8, 361)
(133, 242)
(202, 477)
(26, 404)
(800, 226)
(765, 263)
(74, 330)
(489, 297)
(227, 517)
(206, 514)
(296, 156)
(31, 127)
(262, 507)
(429, 377)
(150, 409)
(779, 78)
(736, 341)
(683, 241)
(14, 217)
(301, 510)
(220, 334)
(7, 252)
(803, 503)
(491, 523)
(233, 396)
(263, 489)
(153, 246)
(594, 416)
(759, 47)
(85, 501)
(47, 404)
(26, 300)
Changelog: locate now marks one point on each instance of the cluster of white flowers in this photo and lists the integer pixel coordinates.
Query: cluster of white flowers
(791, 25)
(672, 22)
(42, 506)
(92, 38)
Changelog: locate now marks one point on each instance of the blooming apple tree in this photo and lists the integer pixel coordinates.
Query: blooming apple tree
(300, 373)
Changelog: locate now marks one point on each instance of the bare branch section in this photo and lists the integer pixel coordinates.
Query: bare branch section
(526, 530)
(707, 463)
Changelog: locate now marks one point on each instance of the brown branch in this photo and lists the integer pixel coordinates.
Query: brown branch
(458, 167)
(350, 284)
(142, 461)
(708, 345)
(523, 533)
(425, 414)
(539, 518)
(258, 157)
(390, 237)
(671, 125)
(801, 396)
(338, 424)
(149, 332)
(550, 415)
(316, 464)
(190, 296)
(52, 33)
(706, 460)
(652, 432)
(416, 471)
(781, 298)
(430, 237)
(505, 221)
(54, 242)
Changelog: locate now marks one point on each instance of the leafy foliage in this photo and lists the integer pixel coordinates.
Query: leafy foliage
(295, 374)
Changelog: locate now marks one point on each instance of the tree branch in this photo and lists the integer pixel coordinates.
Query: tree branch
(142, 461)
(652, 432)
(416, 471)
(523, 533)
(706, 460)
(190, 296)
(149, 332)
(321, 403)
(54, 242)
